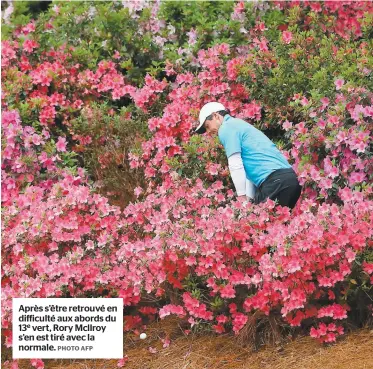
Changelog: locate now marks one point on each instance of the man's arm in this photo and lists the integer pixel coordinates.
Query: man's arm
(250, 189)
(243, 186)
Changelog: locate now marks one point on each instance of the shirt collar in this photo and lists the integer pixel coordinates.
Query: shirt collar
(226, 117)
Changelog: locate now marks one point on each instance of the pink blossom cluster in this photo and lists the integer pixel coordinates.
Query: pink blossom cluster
(195, 308)
(171, 309)
(238, 319)
(108, 79)
(345, 13)
(335, 311)
(327, 332)
(239, 11)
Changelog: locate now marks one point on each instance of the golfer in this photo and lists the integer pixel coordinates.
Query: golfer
(258, 169)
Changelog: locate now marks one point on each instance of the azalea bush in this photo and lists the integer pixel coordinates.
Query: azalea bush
(108, 139)
(87, 127)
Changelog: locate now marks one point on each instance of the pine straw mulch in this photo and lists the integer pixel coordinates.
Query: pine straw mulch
(194, 351)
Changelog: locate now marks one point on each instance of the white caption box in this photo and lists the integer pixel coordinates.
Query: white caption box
(67, 328)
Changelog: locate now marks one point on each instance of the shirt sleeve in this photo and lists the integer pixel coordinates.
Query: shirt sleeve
(238, 173)
(250, 189)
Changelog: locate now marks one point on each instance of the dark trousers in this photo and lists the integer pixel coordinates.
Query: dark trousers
(281, 185)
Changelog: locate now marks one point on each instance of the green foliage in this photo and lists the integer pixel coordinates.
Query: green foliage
(310, 68)
(22, 14)
(96, 30)
(198, 151)
(211, 20)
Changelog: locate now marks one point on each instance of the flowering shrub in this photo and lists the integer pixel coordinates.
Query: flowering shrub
(104, 139)
(72, 114)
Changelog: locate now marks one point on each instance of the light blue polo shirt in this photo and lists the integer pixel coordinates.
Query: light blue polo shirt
(260, 156)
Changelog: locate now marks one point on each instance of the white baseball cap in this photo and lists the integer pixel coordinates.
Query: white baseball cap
(207, 110)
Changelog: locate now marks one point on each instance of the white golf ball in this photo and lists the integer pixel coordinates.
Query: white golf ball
(142, 336)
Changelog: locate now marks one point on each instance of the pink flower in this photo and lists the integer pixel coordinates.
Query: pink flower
(138, 191)
(304, 101)
(330, 337)
(37, 363)
(287, 36)
(294, 265)
(90, 245)
(356, 177)
(239, 12)
(213, 169)
(171, 309)
(261, 27)
(314, 333)
(263, 45)
(313, 114)
(192, 34)
(315, 6)
(239, 320)
(350, 255)
(287, 125)
(190, 260)
(224, 48)
(30, 45)
(301, 128)
(339, 83)
(325, 102)
(36, 139)
(228, 292)
(326, 183)
(56, 9)
(122, 362)
(221, 319)
(61, 144)
(335, 311)
(29, 28)
(166, 342)
(368, 267)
